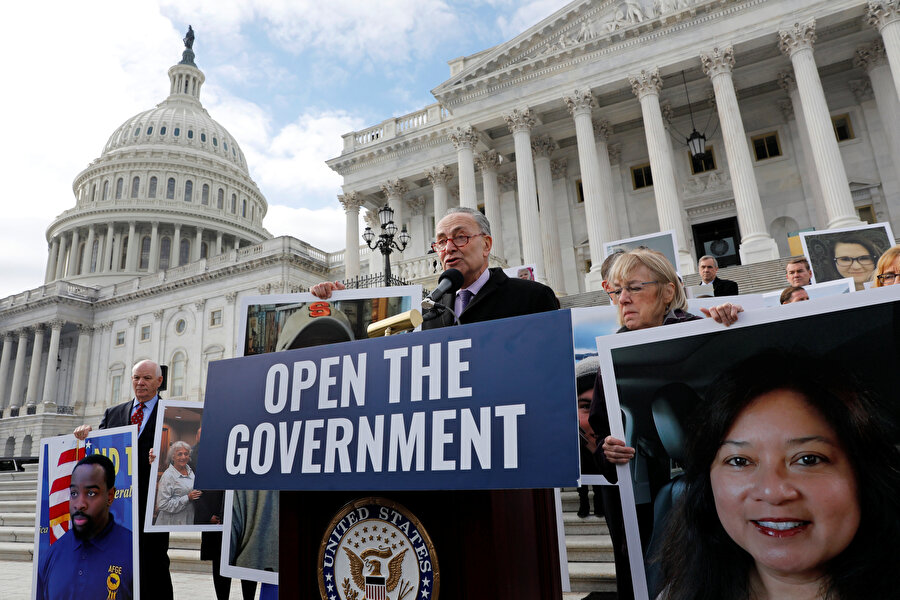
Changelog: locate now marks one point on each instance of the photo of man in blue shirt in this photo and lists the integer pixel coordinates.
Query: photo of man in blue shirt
(94, 558)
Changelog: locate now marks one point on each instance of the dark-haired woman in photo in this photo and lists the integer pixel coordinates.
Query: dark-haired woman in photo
(792, 489)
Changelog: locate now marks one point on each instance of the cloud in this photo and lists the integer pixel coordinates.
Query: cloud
(527, 15)
(324, 228)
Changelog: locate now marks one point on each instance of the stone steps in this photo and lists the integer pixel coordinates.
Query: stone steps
(589, 549)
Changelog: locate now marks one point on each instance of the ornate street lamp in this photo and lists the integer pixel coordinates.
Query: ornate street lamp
(385, 241)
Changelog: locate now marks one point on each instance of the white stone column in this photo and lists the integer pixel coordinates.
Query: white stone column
(351, 203)
(52, 257)
(218, 243)
(175, 250)
(73, 255)
(108, 248)
(873, 59)
(5, 357)
(376, 261)
(542, 148)
(131, 250)
(34, 372)
(884, 15)
(393, 191)
(51, 376)
(596, 199)
(18, 381)
(153, 265)
(646, 87)
(439, 176)
(792, 108)
(602, 131)
(756, 243)
(79, 380)
(419, 240)
(464, 140)
(520, 122)
(797, 43)
(61, 258)
(488, 162)
(198, 244)
(86, 255)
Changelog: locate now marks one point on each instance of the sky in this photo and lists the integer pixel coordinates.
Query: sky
(285, 77)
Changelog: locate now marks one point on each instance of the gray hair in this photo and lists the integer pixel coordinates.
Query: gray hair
(140, 362)
(174, 447)
(708, 257)
(480, 219)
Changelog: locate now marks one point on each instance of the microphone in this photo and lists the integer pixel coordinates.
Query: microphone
(448, 283)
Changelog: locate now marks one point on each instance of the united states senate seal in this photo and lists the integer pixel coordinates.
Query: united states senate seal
(375, 549)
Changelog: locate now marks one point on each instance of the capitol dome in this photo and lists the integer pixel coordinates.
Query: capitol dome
(171, 187)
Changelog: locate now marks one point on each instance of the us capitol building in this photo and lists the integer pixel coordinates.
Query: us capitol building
(572, 134)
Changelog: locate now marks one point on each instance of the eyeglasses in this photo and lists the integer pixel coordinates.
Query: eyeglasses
(633, 289)
(866, 260)
(458, 240)
(888, 278)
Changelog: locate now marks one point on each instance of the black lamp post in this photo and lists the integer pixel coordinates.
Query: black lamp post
(385, 241)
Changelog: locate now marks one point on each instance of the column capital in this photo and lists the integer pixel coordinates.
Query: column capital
(132, 224)
(787, 108)
(22, 333)
(615, 153)
(85, 329)
(520, 119)
(559, 168)
(802, 36)
(132, 320)
(415, 205)
(158, 314)
(507, 181)
(645, 83)
(8, 336)
(200, 304)
(602, 130)
(861, 88)
(581, 101)
(351, 201)
(371, 219)
(36, 327)
(230, 297)
(439, 175)
(717, 61)
(394, 188)
(543, 146)
(787, 81)
(488, 161)
(668, 113)
(870, 56)
(463, 137)
(880, 13)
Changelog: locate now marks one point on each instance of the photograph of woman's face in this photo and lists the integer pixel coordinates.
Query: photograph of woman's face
(854, 260)
(784, 488)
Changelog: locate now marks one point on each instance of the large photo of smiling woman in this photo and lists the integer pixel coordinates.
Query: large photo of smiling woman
(841, 253)
(767, 450)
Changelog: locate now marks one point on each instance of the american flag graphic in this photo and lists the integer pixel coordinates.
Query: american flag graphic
(375, 588)
(62, 455)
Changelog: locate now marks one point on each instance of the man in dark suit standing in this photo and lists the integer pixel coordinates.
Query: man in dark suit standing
(463, 242)
(146, 377)
(708, 267)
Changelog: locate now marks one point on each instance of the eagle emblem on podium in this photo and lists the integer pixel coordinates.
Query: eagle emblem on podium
(375, 549)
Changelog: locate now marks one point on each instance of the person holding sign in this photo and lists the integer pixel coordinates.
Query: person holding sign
(93, 559)
(792, 489)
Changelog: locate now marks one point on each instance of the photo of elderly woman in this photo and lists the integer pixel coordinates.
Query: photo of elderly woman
(176, 448)
(763, 450)
(841, 253)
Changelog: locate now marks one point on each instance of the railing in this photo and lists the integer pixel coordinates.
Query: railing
(371, 281)
(391, 128)
(65, 410)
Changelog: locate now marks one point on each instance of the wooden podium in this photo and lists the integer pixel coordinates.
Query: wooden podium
(492, 544)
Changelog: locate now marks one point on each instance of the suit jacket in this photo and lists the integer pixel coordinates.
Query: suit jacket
(500, 297)
(119, 416)
(724, 287)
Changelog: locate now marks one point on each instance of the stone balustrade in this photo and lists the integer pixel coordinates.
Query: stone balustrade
(391, 128)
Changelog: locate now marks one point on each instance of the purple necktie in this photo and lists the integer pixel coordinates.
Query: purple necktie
(465, 296)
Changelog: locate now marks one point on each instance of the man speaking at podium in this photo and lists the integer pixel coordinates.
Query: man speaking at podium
(464, 243)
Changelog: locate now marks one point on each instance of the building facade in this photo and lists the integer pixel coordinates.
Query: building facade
(165, 237)
(574, 134)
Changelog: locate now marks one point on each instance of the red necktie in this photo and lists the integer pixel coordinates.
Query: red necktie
(138, 417)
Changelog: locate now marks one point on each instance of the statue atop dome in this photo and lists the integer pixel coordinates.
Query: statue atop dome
(187, 57)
